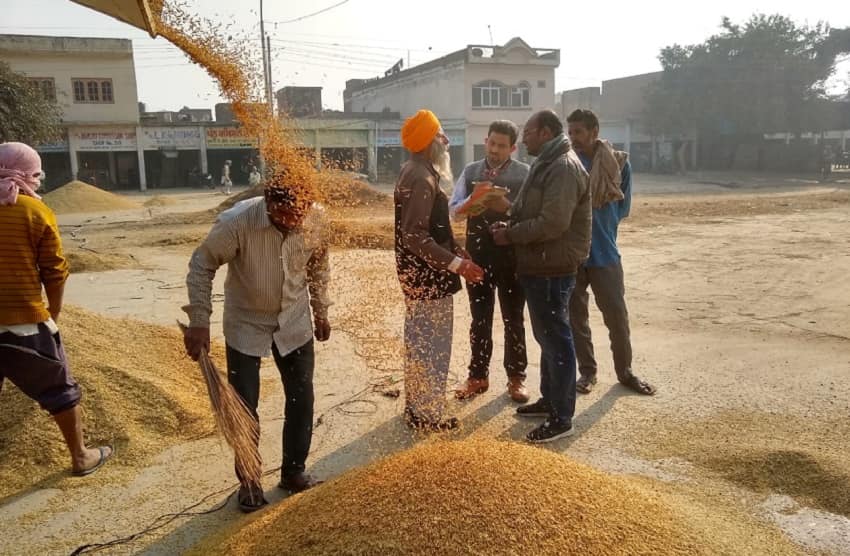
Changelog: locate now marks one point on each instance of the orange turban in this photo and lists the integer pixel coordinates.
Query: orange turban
(419, 131)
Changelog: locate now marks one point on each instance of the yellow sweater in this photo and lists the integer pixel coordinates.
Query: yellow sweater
(30, 256)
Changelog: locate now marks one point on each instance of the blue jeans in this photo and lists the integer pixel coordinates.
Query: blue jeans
(548, 301)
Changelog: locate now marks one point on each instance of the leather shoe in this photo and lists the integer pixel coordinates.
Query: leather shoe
(298, 482)
(472, 388)
(517, 390)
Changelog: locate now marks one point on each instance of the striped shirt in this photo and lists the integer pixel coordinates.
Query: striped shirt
(273, 278)
(30, 257)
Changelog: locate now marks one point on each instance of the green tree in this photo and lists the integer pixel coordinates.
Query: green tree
(26, 115)
(766, 75)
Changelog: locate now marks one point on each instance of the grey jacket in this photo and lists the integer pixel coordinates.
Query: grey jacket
(551, 218)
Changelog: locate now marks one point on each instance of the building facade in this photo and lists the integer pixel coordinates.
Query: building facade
(467, 89)
(93, 81)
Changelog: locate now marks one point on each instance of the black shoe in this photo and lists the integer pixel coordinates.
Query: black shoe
(550, 430)
(540, 408)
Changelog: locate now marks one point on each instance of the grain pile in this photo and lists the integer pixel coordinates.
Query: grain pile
(160, 201)
(802, 457)
(468, 497)
(90, 261)
(140, 393)
(77, 196)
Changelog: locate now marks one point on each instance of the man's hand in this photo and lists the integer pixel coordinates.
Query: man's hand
(470, 271)
(500, 233)
(498, 204)
(197, 340)
(461, 252)
(322, 329)
(54, 312)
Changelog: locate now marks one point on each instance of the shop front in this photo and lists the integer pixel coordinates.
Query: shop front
(106, 157)
(233, 144)
(173, 156)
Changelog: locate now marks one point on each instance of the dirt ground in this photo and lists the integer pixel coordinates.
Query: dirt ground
(737, 290)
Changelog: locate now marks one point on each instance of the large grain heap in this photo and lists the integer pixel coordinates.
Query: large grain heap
(77, 196)
(140, 394)
(467, 497)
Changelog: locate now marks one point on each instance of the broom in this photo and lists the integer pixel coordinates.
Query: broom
(233, 420)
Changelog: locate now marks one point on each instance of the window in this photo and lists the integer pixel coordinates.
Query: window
(93, 91)
(493, 94)
(106, 91)
(46, 85)
(521, 96)
(79, 91)
(487, 94)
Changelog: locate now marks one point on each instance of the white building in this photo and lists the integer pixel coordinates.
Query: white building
(467, 89)
(94, 82)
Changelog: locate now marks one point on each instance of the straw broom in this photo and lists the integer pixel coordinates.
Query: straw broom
(233, 420)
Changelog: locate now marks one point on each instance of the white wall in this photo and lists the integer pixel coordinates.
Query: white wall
(479, 119)
(84, 58)
(439, 90)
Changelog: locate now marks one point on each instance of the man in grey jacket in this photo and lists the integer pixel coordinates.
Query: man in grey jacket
(550, 231)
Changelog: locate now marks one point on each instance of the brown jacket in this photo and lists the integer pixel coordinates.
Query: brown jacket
(424, 242)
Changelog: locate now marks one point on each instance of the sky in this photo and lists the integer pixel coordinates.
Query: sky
(362, 38)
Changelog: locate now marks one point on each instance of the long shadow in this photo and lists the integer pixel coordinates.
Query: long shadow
(389, 437)
(582, 422)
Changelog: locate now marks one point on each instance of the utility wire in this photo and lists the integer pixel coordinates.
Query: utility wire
(303, 17)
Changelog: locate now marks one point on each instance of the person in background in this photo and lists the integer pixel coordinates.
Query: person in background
(226, 182)
(611, 193)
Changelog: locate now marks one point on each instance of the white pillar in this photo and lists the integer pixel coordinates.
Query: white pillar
(72, 153)
(317, 145)
(140, 151)
(627, 143)
(372, 153)
(203, 151)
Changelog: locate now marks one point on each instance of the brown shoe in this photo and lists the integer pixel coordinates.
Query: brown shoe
(472, 388)
(517, 390)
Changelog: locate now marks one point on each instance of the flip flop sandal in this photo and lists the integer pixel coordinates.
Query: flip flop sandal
(104, 457)
(639, 386)
(585, 385)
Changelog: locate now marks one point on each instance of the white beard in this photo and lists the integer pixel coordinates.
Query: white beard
(442, 162)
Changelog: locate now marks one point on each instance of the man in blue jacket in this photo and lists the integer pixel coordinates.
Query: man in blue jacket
(611, 196)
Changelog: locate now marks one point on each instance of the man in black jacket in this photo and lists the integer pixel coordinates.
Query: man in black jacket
(550, 231)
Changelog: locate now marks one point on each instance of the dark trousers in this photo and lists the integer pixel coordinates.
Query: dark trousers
(482, 302)
(548, 299)
(609, 293)
(296, 372)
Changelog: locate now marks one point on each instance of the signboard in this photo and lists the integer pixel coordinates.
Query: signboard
(60, 146)
(104, 139)
(171, 138)
(392, 137)
(229, 138)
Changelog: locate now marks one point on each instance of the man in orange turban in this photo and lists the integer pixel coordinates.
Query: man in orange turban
(429, 264)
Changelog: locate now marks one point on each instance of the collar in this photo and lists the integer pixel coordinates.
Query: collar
(419, 158)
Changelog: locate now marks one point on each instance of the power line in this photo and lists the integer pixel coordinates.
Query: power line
(303, 17)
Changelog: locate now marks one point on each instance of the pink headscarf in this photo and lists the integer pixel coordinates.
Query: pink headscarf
(20, 171)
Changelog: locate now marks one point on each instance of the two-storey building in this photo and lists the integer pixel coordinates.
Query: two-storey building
(467, 89)
(93, 80)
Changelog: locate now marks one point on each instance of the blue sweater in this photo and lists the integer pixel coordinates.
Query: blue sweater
(603, 239)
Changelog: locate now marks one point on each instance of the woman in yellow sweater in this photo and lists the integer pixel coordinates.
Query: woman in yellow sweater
(31, 353)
